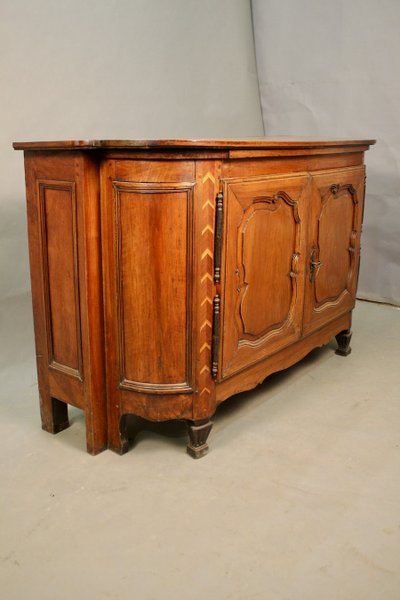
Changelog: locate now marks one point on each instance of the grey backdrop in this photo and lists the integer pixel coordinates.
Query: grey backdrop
(330, 68)
(186, 68)
(111, 69)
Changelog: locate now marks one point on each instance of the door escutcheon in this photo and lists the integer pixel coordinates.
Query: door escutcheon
(315, 265)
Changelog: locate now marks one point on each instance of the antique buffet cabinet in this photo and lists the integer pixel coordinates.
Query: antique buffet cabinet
(169, 275)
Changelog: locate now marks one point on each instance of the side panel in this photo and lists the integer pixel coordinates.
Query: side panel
(64, 245)
(334, 245)
(265, 228)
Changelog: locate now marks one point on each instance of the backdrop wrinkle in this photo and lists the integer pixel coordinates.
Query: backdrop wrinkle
(329, 69)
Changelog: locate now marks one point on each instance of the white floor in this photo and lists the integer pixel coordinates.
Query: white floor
(298, 499)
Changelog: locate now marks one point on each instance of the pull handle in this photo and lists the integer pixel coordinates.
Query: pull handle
(315, 265)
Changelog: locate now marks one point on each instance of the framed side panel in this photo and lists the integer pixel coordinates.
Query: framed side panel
(59, 248)
(64, 244)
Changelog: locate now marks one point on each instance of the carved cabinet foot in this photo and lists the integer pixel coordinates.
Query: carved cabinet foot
(343, 339)
(198, 434)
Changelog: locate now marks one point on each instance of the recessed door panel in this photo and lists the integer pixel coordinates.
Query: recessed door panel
(257, 314)
(264, 268)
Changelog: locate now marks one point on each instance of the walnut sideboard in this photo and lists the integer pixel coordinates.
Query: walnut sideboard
(168, 275)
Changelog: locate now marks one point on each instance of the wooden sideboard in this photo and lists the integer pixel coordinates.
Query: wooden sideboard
(168, 275)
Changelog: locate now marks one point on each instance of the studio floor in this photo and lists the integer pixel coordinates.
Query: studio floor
(298, 499)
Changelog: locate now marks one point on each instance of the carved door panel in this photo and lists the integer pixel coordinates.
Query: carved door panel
(264, 252)
(334, 245)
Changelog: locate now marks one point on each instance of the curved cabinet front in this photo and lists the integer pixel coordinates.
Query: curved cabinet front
(147, 213)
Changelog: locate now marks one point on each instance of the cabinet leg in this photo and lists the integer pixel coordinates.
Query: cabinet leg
(118, 438)
(343, 339)
(54, 414)
(96, 431)
(198, 434)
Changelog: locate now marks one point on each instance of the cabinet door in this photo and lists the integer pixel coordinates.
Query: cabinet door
(264, 251)
(334, 245)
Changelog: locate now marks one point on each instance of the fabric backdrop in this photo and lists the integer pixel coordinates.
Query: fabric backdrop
(111, 69)
(330, 68)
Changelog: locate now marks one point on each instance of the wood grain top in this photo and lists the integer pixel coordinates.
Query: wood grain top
(216, 144)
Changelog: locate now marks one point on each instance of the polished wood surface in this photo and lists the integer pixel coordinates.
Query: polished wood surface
(168, 275)
(259, 143)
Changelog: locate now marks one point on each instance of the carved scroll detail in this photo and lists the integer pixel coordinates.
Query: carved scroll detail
(335, 188)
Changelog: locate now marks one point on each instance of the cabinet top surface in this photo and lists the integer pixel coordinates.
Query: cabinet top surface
(236, 143)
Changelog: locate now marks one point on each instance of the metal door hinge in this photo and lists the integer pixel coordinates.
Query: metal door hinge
(219, 216)
(215, 336)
